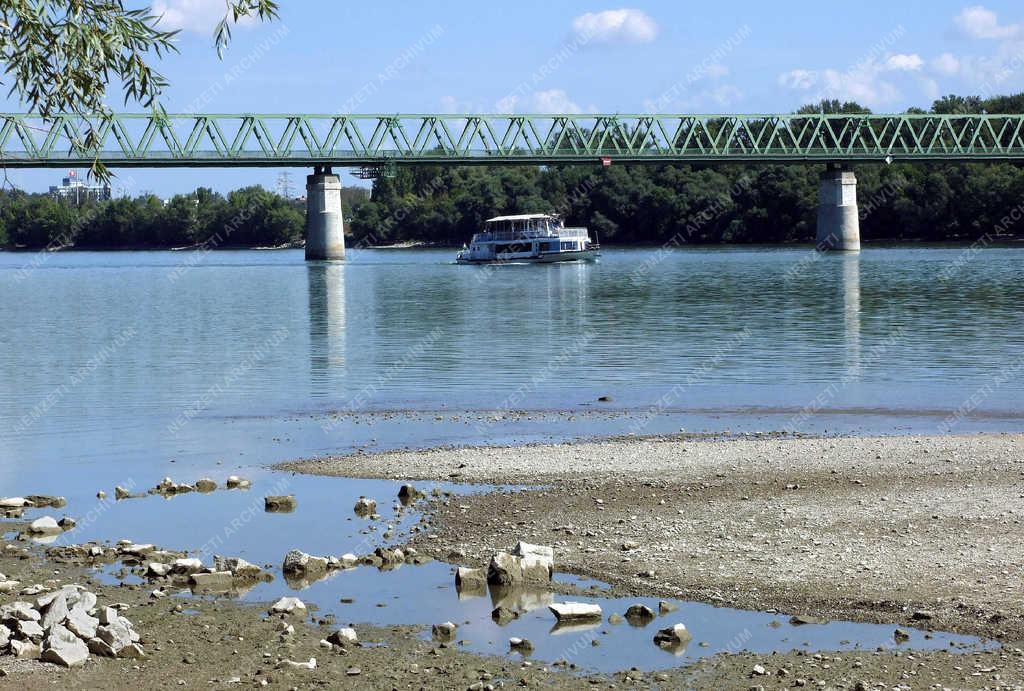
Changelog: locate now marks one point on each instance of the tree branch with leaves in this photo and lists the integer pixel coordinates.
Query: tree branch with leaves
(60, 56)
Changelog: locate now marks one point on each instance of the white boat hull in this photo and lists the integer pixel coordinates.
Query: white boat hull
(543, 258)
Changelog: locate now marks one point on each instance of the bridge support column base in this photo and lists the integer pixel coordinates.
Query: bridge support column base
(325, 230)
(838, 216)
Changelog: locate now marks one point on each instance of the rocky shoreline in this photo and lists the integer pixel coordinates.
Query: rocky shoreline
(918, 532)
(899, 530)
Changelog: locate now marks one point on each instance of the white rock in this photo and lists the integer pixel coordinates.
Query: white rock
(47, 525)
(674, 636)
(280, 504)
(343, 637)
(444, 632)
(132, 652)
(523, 645)
(31, 629)
(115, 634)
(470, 578)
(14, 502)
(239, 567)
(365, 506)
(205, 485)
(23, 611)
(187, 566)
(299, 562)
(25, 650)
(134, 549)
(63, 647)
(215, 580)
(108, 615)
(298, 666)
(575, 611)
(505, 569)
(511, 569)
(86, 601)
(57, 611)
(155, 568)
(536, 561)
(100, 647)
(525, 549)
(81, 624)
(287, 605)
(7, 587)
(348, 560)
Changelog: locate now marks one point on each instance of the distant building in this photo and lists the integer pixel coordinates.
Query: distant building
(74, 191)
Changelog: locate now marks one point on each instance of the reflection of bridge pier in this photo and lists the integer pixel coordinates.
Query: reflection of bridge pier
(838, 216)
(325, 228)
(327, 318)
(850, 285)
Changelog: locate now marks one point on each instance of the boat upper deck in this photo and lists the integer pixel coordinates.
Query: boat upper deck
(526, 227)
(506, 235)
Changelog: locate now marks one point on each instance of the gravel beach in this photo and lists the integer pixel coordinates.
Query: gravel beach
(869, 529)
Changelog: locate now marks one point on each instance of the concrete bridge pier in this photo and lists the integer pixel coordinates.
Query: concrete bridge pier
(838, 216)
(325, 230)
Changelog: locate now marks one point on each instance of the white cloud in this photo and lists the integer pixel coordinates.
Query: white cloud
(553, 101)
(946, 64)
(980, 22)
(798, 79)
(549, 101)
(725, 95)
(615, 26)
(200, 16)
(861, 83)
(902, 62)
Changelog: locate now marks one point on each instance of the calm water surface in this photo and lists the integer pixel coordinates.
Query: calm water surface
(120, 368)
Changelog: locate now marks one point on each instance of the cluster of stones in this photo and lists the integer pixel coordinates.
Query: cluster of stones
(525, 564)
(528, 565)
(64, 627)
(14, 507)
(301, 569)
(339, 640)
(169, 488)
(228, 574)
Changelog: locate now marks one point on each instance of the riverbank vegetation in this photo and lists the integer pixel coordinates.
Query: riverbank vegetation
(679, 204)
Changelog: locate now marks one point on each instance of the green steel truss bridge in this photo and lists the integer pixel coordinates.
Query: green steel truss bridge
(379, 141)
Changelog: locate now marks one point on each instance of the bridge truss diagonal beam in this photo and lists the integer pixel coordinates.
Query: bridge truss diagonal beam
(227, 140)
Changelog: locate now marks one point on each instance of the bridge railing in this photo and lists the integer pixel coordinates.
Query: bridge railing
(293, 139)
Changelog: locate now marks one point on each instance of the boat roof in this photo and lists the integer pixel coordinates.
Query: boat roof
(520, 217)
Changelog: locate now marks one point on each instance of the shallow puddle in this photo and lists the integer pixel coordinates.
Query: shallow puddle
(234, 523)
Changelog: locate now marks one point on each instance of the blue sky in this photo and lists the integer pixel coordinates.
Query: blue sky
(530, 56)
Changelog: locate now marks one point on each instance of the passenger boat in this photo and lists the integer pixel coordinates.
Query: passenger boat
(528, 238)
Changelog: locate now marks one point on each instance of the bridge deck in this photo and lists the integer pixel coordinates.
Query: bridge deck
(235, 140)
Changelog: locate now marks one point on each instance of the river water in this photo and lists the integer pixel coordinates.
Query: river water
(121, 368)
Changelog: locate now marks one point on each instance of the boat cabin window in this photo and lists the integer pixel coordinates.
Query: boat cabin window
(569, 245)
(514, 247)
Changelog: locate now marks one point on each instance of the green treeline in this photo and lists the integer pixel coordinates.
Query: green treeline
(736, 203)
(248, 217)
